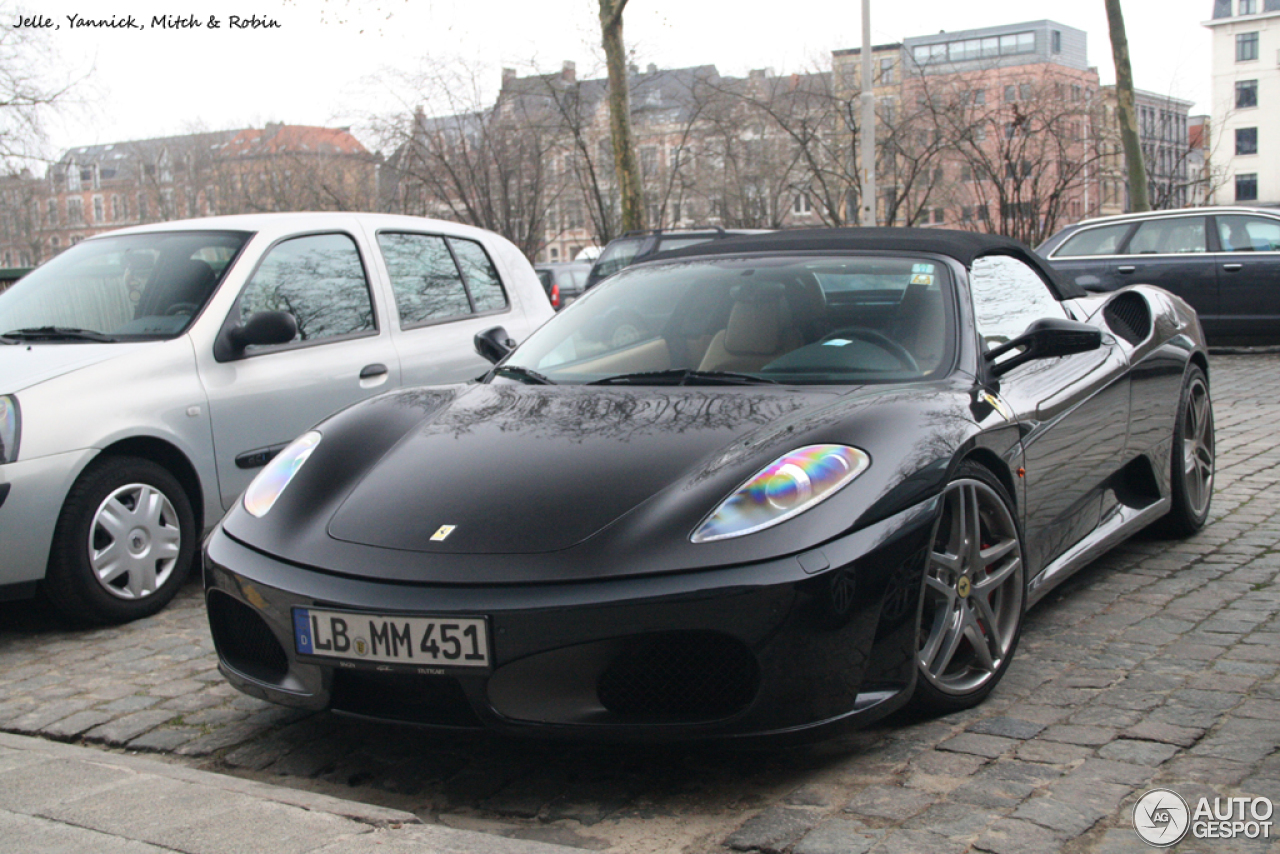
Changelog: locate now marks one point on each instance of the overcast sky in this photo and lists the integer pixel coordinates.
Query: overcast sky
(331, 61)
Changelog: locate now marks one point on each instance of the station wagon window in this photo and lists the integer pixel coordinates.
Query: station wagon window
(1181, 236)
(1094, 241)
(1248, 234)
(320, 280)
(1008, 296)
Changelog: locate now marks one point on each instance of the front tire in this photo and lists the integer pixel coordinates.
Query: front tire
(124, 542)
(974, 594)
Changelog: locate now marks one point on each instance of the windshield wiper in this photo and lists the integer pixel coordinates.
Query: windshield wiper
(525, 373)
(57, 333)
(684, 376)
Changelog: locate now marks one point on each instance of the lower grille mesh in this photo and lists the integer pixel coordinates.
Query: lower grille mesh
(680, 676)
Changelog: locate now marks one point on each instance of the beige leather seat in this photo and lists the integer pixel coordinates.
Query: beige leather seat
(760, 329)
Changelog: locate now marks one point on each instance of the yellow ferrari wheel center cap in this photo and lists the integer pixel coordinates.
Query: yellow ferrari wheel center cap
(964, 586)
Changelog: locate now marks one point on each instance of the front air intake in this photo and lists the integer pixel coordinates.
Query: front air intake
(244, 640)
(680, 677)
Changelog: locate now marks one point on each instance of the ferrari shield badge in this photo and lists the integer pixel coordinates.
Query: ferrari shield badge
(442, 533)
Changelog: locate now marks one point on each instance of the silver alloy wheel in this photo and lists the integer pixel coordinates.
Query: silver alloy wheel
(1198, 447)
(972, 603)
(134, 541)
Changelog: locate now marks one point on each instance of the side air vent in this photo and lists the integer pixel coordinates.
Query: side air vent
(1129, 317)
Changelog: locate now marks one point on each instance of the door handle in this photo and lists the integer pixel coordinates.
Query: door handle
(1126, 268)
(377, 369)
(1232, 268)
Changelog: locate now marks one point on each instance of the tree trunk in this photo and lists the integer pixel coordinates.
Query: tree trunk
(1139, 199)
(624, 151)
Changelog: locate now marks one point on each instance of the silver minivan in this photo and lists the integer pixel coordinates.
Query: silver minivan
(147, 374)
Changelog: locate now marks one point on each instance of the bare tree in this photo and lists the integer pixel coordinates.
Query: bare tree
(487, 165)
(1139, 200)
(31, 87)
(630, 189)
(1018, 162)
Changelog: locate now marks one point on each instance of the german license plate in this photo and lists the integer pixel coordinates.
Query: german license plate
(386, 639)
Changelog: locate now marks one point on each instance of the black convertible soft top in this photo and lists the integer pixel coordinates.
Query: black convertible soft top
(964, 246)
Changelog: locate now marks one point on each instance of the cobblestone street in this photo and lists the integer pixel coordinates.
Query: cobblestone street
(1155, 667)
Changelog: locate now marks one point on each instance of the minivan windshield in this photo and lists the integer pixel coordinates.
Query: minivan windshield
(790, 320)
(121, 288)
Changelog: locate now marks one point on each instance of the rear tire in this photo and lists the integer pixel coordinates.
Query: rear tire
(1194, 458)
(124, 542)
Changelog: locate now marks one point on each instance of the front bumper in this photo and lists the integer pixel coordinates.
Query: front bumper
(35, 490)
(780, 647)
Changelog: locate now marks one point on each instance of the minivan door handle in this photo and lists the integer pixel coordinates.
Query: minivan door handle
(377, 369)
(1126, 268)
(1232, 268)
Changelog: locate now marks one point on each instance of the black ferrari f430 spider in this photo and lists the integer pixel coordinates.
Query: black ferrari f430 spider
(758, 487)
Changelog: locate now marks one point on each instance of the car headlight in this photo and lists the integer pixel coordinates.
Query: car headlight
(271, 481)
(787, 487)
(10, 428)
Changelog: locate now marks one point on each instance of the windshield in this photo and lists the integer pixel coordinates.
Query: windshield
(790, 320)
(618, 254)
(133, 287)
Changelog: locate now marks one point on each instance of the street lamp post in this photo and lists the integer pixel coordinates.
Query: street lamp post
(868, 139)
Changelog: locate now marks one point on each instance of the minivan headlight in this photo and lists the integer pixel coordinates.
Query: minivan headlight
(271, 481)
(10, 428)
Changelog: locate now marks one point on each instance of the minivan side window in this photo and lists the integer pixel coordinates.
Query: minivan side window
(1180, 236)
(320, 280)
(1248, 234)
(1094, 241)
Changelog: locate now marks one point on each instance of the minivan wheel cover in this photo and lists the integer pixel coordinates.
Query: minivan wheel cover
(134, 541)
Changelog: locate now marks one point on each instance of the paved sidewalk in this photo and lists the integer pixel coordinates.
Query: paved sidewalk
(59, 797)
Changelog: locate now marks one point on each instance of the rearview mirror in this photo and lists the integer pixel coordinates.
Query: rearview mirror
(1046, 338)
(494, 344)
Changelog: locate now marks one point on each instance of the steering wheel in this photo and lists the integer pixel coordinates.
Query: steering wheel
(181, 308)
(880, 340)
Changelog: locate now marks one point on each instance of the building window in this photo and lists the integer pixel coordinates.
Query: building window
(1057, 41)
(75, 210)
(1246, 94)
(1247, 187)
(802, 205)
(99, 210)
(939, 215)
(1248, 7)
(886, 71)
(1246, 47)
(1246, 140)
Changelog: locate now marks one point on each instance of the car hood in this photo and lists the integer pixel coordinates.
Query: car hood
(24, 364)
(524, 469)
(563, 483)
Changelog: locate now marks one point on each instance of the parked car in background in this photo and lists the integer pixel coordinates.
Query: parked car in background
(563, 281)
(826, 475)
(636, 246)
(1224, 261)
(147, 374)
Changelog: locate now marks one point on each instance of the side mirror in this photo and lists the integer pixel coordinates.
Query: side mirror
(494, 344)
(1047, 338)
(262, 328)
